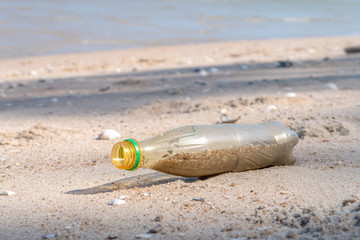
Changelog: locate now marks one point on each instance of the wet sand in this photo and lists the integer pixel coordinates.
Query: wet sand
(53, 108)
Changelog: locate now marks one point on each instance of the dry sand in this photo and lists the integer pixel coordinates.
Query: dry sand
(53, 108)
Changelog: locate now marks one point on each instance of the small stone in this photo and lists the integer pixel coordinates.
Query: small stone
(291, 95)
(117, 201)
(143, 236)
(285, 64)
(48, 236)
(109, 134)
(54, 100)
(199, 199)
(118, 70)
(173, 91)
(330, 86)
(112, 237)
(158, 218)
(7, 193)
(213, 70)
(2, 159)
(157, 228)
(104, 89)
(202, 73)
(225, 119)
(244, 67)
(291, 234)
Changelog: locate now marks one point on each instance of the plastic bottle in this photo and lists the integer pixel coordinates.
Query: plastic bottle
(203, 150)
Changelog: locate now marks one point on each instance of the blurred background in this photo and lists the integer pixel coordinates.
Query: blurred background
(43, 27)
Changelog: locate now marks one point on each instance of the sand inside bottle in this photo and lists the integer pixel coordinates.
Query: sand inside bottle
(211, 162)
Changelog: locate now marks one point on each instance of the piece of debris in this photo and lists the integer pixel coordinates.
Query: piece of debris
(108, 134)
(225, 119)
(117, 201)
(352, 49)
(285, 64)
(7, 193)
(330, 86)
(156, 229)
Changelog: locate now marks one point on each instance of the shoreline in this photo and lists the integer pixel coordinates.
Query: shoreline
(176, 56)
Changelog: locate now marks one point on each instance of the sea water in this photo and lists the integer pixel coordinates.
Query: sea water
(44, 27)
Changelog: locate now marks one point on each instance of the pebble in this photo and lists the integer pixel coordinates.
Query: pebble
(291, 95)
(54, 100)
(270, 108)
(48, 236)
(109, 134)
(285, 64)
(7, 193)
(202, 73)
(330, 86)
(213, 70)
(244, 67)
(118, 70)
(117, 201)
(2, 159)
(143, 236)
(157, 228)
(158, 218)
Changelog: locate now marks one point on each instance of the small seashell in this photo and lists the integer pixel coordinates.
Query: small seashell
(330, 86)
(291, 95)
(2, 159)
(117, 201)
(109, 134)
(270, 108)
(118, 70)
(7, 193)
(225, 119)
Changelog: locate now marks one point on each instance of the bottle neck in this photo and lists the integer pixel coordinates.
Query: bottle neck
(126, 155)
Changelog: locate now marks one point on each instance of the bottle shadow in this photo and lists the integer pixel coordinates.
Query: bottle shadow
(141, 181)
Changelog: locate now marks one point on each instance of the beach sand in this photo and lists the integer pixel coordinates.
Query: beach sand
(53, 108)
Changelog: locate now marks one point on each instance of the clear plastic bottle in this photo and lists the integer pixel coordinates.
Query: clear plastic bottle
(203, 150)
